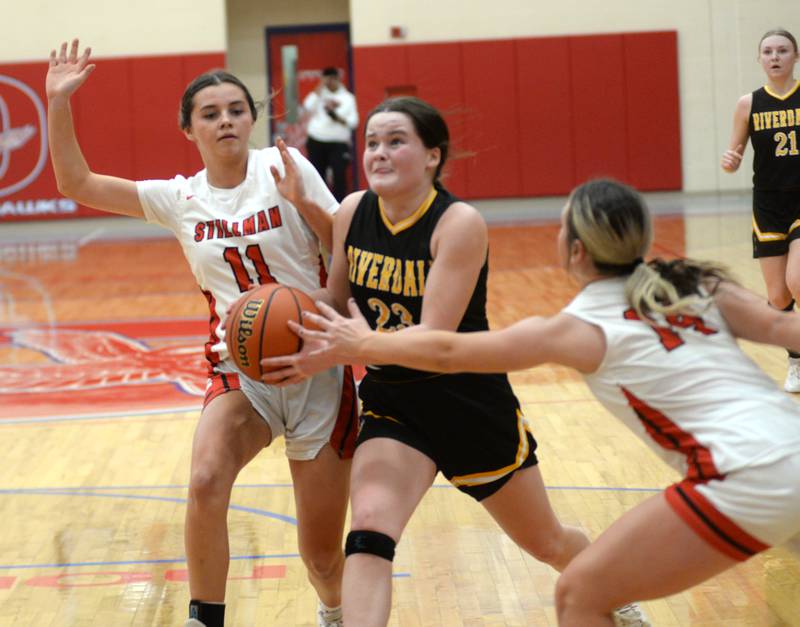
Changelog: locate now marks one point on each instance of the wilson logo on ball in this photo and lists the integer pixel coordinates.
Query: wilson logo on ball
(258, 326)
(244, 329)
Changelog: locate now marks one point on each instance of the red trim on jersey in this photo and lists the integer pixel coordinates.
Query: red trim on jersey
(670, 436)
(710, 524)
(345, 431)
(221, 383)
(213, 338)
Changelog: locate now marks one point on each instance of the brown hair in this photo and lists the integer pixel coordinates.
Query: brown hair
(779, 32)
(428, 123)
(212, 77)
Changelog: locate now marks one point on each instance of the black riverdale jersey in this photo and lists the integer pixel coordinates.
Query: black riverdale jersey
(388, 267)
(774, 127)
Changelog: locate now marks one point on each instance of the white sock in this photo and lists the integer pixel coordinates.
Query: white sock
(334, 613)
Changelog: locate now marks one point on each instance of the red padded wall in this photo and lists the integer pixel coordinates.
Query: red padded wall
(536, 116)
(599, 106)
(654, 125)
(546, 151)
(154, 112)
(104, 119)
(126, 118)
(436, 70)
(490, 98)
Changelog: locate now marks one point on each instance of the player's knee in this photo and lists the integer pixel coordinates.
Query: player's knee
(366, 514)
(371, 543)
(792, 285)
(580, 589)
(208, 486)
(322, 564)
(570, 590)
(780, 296)
(547, 548)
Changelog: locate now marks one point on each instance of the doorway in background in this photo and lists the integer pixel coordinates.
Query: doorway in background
(296, 56)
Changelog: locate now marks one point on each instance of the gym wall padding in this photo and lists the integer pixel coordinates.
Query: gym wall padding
(536, 116)
(126, 118)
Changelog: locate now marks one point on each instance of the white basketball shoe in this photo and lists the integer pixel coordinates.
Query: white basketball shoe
(792, 383)
(329, 616)
(630, 615)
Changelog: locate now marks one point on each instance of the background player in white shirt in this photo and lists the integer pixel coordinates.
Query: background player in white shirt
(248, 217)
(332, 118)
(657, 344)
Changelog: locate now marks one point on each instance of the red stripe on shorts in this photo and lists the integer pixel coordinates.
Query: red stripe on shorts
(345, 431)
(221, 382)
(711, 524)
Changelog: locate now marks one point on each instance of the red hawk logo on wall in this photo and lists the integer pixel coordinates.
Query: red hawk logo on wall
(23, 135)
(27, 188)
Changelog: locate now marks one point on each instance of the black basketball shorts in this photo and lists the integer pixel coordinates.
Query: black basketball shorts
(470, 425)
(776, 222)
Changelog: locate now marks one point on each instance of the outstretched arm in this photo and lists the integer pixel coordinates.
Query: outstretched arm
(750, 317)
(66, 73)
(561, 339)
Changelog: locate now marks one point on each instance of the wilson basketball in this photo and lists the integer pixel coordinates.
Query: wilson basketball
(257, 326)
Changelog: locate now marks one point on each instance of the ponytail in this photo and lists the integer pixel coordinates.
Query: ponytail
(672, 287)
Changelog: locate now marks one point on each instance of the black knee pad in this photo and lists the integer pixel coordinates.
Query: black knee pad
(372, 542)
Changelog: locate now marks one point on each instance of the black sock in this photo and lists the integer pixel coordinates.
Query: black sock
(210, 614)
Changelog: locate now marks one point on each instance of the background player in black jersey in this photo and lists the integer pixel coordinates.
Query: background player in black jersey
(770, 116)
(413, 257)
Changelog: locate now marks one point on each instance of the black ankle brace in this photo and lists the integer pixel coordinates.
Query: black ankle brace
(210, 614)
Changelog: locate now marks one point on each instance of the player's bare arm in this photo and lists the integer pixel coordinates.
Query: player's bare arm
(459, 246)
(561, 339)
(732, 157)
(291, 187)
(66, 73)
(750, 317)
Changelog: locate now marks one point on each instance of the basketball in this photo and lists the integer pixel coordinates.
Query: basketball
(257, 326)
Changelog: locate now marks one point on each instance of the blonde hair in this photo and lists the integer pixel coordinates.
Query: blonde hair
(614, 225)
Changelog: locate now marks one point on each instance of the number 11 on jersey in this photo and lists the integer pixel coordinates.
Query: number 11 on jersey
(233, 257)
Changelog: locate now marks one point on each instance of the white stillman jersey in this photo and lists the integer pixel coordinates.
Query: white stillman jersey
(235, 237)
(685, 387)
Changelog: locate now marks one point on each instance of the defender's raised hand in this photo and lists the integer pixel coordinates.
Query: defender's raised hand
(67, 70)
(291, 184)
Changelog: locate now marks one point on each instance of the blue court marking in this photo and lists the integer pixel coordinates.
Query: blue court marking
(172, 499)
(174, 560)
(99, 491)
(246, 486)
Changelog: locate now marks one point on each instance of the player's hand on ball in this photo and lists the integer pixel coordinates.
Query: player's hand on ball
(341, 338)
(290, 369)
(335, 341)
